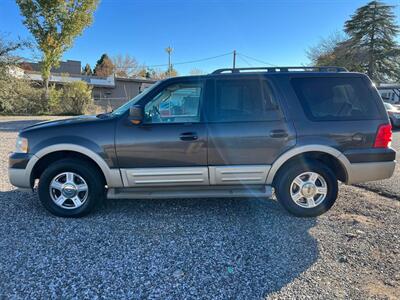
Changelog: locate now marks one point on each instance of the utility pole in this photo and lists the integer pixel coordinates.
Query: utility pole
(169, 51)
(234, 59)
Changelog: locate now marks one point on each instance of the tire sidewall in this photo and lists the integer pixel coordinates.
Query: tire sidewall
(84, 170)
(290, 173)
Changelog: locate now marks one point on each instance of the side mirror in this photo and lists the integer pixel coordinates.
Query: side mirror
(136, 114)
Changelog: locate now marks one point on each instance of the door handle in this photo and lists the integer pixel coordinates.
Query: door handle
(279, 133)
(189, 136)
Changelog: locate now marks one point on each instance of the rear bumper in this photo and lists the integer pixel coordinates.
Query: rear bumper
(370, 171)
(369, 164)
(370, 155)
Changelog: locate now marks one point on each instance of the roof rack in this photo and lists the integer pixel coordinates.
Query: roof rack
(282, 69)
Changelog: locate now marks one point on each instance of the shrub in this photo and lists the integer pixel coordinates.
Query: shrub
(54, 101)
(18, 96)
(76, 98)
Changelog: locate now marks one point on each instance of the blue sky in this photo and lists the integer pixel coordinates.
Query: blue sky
(275, 31)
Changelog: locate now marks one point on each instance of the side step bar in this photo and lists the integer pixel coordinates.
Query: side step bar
(198, 192)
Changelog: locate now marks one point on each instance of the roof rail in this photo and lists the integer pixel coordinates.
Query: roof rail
(283, 69)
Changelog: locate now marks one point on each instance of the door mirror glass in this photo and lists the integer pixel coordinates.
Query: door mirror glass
(136, 114)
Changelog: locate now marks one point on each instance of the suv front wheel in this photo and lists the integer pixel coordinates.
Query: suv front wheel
(70, 188)
(306, 189)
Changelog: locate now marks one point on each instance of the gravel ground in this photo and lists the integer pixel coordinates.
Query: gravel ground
(196, 248)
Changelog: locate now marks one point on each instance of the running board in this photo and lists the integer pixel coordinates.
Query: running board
(195, 192)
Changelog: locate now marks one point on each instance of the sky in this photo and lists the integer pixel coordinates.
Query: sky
(276, 32)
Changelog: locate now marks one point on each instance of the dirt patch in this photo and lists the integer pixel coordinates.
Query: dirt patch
(355, 219)
(379, 289)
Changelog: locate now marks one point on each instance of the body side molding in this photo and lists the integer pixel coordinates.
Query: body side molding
(239, 174)
(165, 176)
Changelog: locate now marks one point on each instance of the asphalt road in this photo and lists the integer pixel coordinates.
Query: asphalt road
(196, 248)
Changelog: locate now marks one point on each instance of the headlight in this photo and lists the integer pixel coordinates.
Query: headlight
(21, 145)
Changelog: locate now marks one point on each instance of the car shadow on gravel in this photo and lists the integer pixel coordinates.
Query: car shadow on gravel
(214, 248)
(17, 125)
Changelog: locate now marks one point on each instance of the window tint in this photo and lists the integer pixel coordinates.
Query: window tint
(335, 98)
(178, 103)
(243, 100)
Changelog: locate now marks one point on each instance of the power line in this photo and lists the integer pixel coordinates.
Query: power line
(245, 60)
(258, 60)
(192, 61)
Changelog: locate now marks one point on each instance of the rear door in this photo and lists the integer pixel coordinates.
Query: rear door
(247, 130)
(170, 146)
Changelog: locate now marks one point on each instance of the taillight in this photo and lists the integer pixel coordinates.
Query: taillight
(383, 136)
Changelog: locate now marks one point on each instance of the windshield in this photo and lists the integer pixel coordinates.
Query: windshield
(123, 108)
(389, 106)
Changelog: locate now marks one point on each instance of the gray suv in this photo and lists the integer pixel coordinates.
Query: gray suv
(232, 133)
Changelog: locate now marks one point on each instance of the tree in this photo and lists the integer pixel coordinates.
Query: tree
(54, 25)
(334, 51)
(87, 70)
(126, 66)
(372, 30)
(17, 96)
(6, 50)
(104, 66)
(156, 74)
(369, 45)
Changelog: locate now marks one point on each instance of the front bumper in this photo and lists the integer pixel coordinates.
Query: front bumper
(19, 169)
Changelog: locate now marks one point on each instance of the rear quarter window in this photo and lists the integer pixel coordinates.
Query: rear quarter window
(332, 99)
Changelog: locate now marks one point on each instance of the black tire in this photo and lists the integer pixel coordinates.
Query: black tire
(284, 181)
(94, 181)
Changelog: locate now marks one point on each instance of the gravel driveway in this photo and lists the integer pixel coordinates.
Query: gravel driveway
(196, 248)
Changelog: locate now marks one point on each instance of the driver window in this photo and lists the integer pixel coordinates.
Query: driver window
(177, 103)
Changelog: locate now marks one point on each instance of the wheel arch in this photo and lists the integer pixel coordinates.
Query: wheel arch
(326, 154)
(52, 153)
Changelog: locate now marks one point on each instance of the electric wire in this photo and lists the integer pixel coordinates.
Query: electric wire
(256, 59)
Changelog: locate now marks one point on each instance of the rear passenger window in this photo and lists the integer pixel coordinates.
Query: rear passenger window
(330, 99)
(243, 100)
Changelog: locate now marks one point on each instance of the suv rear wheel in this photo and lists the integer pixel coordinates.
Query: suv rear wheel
(306, 189)
(70, 188)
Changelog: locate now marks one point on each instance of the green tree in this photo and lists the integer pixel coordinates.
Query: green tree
(87, 70)
(372, 31)
(55, 24)
(104, 66)
(334, 51)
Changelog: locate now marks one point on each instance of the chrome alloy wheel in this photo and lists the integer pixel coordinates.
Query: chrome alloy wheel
(308, 189)
(68, 190)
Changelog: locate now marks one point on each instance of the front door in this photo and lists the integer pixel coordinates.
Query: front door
(246, 130)
(170, 146)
